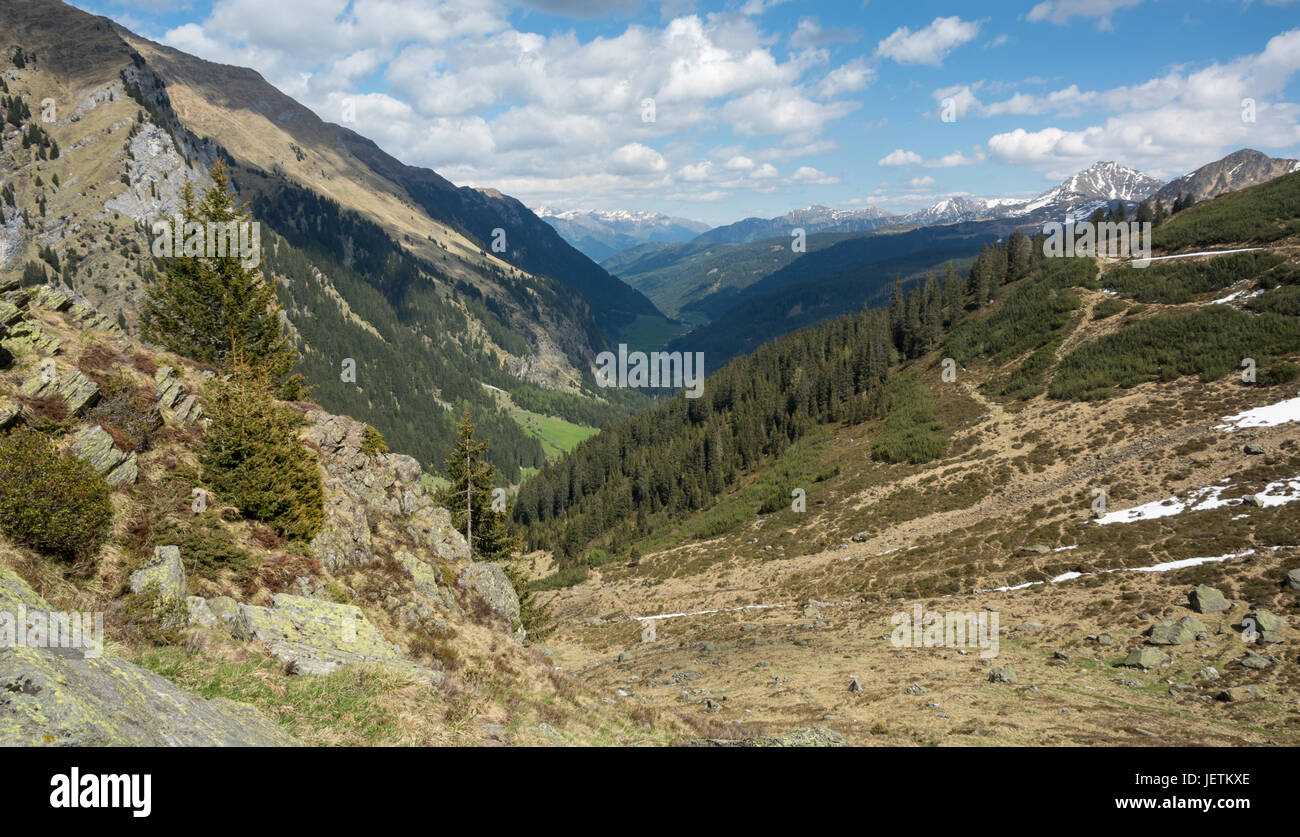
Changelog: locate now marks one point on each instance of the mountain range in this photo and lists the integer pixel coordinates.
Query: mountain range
(599, 234)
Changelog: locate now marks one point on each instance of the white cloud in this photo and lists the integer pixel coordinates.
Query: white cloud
(809, 33)
(929, 45)
(769, 112)
(635, 158)
(481, 101)
(1168, 124)
(1060, 11)
(900, 157)
(696, 172)
(847, 78)
(810, 175)
(956, 158)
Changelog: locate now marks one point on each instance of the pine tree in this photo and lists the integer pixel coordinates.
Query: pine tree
(210, 308)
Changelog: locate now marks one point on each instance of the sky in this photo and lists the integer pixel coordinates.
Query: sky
(717, 110)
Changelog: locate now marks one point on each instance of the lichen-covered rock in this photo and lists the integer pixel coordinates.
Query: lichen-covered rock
(28, 337)
(165, 571)
(488, 580)
(227, 611)
(1264, 620)
(94, 445)
(170, 389)
(318, 637)
(125, 473)
(199, 613)
(425, 580)
(10, 411)
(78, 392)
(1206, 599)
(1185, 630)
(64, 697)
(1145, 658)
(48, 297)
(9, 314)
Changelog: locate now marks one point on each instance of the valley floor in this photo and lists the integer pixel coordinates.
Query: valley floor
(768, 627)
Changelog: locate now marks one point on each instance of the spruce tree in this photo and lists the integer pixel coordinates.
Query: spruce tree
(210, 308)
(469, 499)
(253, 459)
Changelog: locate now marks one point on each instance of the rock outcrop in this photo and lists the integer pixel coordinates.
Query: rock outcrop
(69, 697)
(488, 580)
(374, 492)
(318, 637)
(95, 445)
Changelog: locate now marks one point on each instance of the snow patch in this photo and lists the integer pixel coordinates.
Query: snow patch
(1272, 415)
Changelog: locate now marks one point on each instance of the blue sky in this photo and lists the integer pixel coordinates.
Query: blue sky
(761, 106)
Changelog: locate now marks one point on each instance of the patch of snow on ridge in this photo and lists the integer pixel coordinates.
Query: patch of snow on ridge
(1269, 416)
(1198, 500)
(1165, 567)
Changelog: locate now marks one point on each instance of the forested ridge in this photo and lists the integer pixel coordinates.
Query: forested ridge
(679, 456)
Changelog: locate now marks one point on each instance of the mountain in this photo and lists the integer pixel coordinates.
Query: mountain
(1101, 184)
(811, 220)
(1238, 170)
(387, 264)
(600, 234)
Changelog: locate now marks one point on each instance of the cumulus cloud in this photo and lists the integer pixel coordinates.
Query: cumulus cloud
(900, 157)
(810, 175)
(635, 157)
(929, 45)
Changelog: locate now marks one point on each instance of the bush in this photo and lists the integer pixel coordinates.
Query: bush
(1209, 342)
(1180, 281)
(1279, 373)
(1108, 308)
(372, 442)
(52, 503)
(909, 434)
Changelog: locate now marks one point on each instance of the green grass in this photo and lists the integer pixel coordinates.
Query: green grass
(556, 435)
(346, 703)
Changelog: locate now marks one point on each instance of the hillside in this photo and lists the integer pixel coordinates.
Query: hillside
(379, 630)
(776, 590)
(388, 265)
